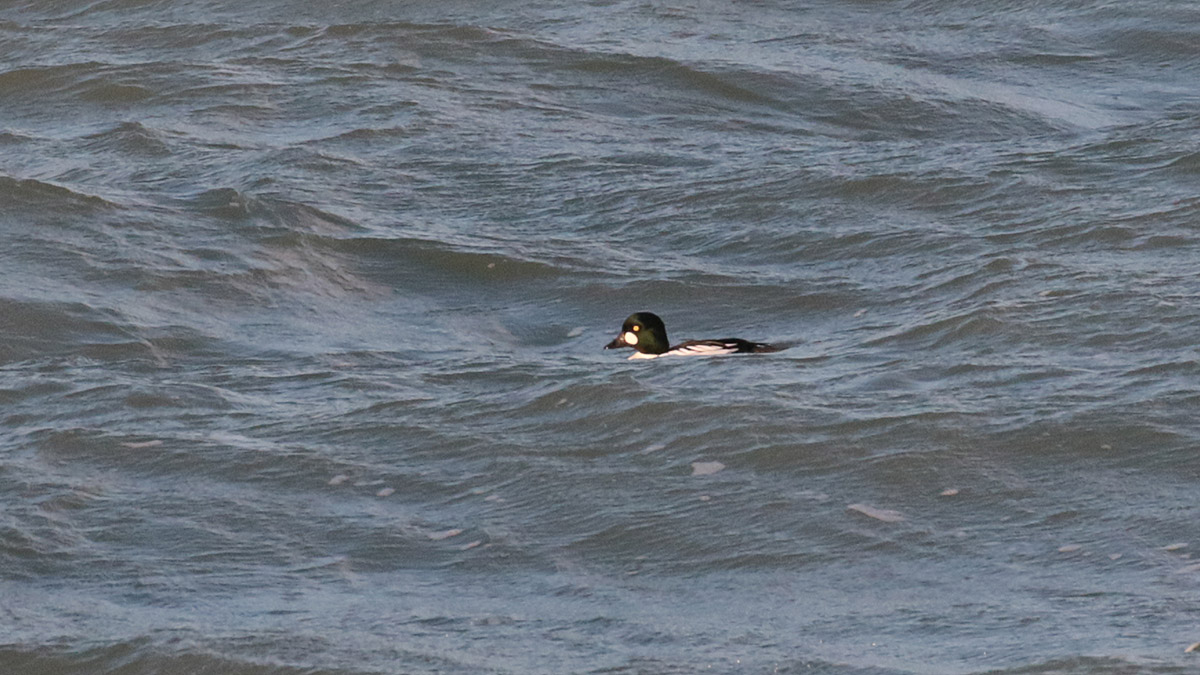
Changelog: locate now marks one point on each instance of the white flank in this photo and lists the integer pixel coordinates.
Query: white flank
(703, 350)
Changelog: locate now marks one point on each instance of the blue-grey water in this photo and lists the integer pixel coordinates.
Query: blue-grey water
(302, 307)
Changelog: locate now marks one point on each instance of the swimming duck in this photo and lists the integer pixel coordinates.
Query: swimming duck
(646, 334)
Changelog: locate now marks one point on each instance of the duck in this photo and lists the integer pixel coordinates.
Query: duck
(646, 334)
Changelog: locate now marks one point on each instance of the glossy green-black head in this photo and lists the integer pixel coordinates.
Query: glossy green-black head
(644, 332)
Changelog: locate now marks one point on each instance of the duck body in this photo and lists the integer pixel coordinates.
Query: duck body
(646, 334)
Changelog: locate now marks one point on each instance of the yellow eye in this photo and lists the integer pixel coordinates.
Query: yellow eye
(637, 328)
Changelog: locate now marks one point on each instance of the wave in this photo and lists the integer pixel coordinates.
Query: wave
(40, 329)
(146, 655)
(43, 197)
(92, 81)
(130, 138)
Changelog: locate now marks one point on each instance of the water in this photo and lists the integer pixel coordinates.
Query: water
(302, 309)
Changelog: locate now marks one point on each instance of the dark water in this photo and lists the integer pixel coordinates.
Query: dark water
(302, 306)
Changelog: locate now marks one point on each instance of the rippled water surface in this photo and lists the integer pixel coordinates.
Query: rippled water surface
(302, 309)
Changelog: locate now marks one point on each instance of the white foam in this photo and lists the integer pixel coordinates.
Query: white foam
(886, 515)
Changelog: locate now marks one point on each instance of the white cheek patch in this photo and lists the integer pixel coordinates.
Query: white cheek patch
(630, 337)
